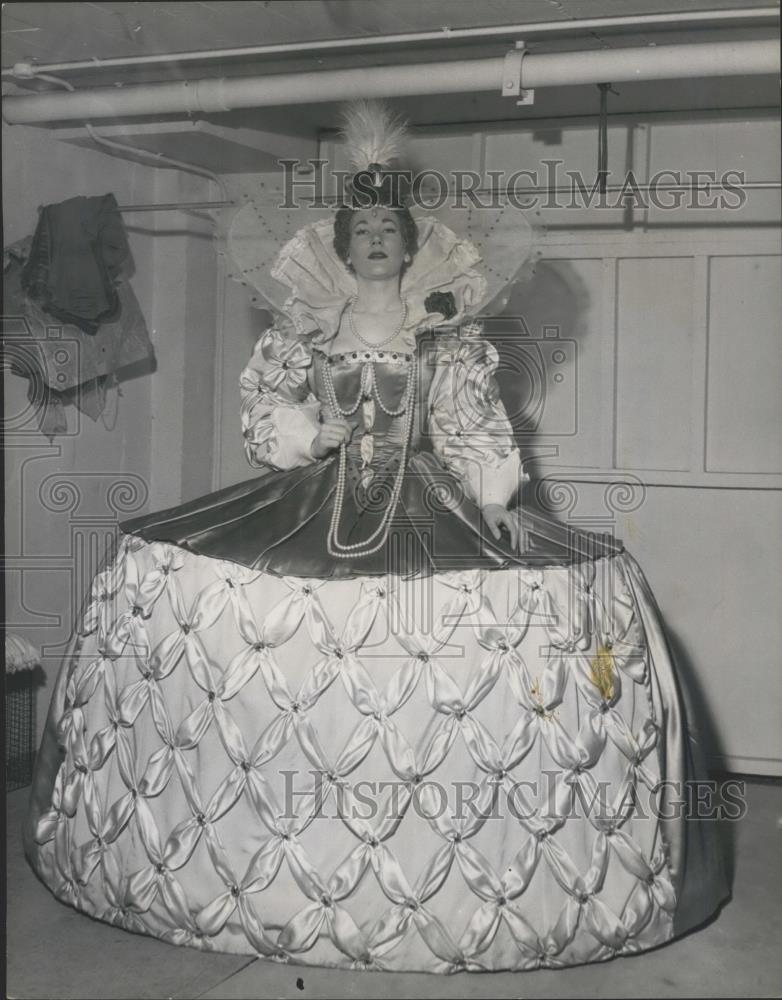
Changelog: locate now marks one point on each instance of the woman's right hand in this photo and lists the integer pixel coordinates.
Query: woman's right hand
(333, 432)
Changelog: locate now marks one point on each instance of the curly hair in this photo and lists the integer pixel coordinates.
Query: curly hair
(342, 220)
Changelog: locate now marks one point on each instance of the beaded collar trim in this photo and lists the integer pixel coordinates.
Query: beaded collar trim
(360, 357)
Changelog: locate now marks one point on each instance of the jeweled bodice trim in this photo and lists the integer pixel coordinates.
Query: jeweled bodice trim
(361, 357)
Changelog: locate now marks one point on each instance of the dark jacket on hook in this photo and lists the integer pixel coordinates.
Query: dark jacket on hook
(65, 365)
(78, 252)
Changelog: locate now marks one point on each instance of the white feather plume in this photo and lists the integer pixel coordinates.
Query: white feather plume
(373, 133)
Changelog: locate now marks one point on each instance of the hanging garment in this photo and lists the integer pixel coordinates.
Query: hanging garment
(70, 366)
(78, 253)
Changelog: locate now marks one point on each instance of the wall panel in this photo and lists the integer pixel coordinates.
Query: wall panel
(744, 412)
(654, 363)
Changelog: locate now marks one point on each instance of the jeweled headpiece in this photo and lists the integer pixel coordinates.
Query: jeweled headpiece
(465, 254)
(375, 138)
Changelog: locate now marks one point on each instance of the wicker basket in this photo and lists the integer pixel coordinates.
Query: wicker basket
(21, 662)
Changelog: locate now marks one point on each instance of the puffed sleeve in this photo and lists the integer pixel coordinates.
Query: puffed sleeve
(279, 414)
(468, 424)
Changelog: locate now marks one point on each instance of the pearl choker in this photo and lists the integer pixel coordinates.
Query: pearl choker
(382, 343)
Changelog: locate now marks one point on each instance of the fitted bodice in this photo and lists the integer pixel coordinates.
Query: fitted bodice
(391, 372)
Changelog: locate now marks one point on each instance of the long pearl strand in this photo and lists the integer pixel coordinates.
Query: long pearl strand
(368, 387)
(368, 382)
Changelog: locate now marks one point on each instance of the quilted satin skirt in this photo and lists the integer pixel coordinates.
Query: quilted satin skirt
(475, 769)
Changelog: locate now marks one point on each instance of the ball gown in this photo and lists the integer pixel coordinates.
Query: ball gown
(445, 755)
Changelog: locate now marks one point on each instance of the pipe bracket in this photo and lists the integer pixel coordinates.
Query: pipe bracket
(511, 76)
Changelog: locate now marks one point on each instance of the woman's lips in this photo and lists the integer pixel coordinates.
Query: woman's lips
(378, 255)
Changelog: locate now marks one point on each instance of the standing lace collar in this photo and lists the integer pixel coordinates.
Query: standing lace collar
(320, 286)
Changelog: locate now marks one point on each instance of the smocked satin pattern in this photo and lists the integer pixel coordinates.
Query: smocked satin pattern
(369, 772)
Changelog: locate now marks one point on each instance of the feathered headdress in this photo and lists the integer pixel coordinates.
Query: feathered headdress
(303, 277)
(373, 134)
(375, 138)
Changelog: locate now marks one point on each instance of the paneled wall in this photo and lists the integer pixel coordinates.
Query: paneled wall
(677, 365)
(652, 360)
(673, 373)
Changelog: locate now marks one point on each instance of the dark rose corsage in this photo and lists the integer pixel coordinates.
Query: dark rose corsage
(441, 302)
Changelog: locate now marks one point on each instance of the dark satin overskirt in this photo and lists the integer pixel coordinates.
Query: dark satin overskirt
(279, 523)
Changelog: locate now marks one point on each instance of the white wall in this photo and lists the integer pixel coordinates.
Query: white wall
(65, 498)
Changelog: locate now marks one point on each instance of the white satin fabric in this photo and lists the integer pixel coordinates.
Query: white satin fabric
(466, 420)
(198, 694)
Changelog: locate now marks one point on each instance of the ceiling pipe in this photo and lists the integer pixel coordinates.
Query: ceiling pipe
(555, 69)
(566, 26)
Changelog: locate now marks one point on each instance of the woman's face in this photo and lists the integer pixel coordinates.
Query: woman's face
(377, 249)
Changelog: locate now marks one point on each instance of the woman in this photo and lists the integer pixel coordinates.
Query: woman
(356, 711)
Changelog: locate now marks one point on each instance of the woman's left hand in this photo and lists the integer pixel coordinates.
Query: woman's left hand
(498, 518)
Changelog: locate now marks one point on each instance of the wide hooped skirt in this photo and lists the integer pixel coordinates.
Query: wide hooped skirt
(476, 770)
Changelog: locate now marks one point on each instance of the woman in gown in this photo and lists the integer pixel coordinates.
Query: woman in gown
(359, 710)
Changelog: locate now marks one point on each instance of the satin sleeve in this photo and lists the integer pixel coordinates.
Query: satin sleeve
(279, 415)
(468, 423)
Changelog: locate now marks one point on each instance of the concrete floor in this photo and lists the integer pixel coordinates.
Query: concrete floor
(53, 951)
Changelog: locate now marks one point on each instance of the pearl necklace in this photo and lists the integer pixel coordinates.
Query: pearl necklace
(365, 548)
(382, 343)
(368, 388)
